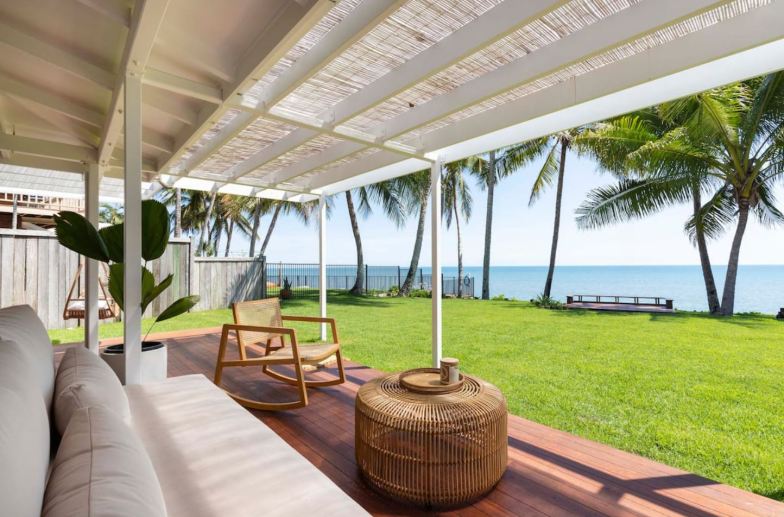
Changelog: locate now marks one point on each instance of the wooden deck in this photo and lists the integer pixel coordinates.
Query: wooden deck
(550, 472)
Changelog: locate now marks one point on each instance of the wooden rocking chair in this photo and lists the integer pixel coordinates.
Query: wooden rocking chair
(76, 308)
(260, 322)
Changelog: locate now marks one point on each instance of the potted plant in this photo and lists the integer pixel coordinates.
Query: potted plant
(76, 233)
(285, 293)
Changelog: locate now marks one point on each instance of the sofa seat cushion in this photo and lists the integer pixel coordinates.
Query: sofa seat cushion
(101, 469)
(85, 380)
(20, 323)
(213, 457)
(24, 433)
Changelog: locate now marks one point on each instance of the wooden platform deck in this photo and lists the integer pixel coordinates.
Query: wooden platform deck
(619, 307)
(550, 472)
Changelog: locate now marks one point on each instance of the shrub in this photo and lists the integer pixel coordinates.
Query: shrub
(547, 302)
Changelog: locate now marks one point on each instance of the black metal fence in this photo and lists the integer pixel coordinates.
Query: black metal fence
(302, 280)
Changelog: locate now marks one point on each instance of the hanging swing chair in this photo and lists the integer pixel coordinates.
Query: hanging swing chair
(75, 307)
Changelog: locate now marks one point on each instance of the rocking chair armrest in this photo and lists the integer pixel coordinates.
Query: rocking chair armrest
(316, 319)
(228, 327)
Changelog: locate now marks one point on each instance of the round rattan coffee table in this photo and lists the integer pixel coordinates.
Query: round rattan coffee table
(433, 450)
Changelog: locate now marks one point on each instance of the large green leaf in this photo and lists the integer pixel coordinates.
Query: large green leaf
(181, 306)
(113, 238)
(116, 272)
(117, 283)
(155, 229)
(156, 291)
(77, 234)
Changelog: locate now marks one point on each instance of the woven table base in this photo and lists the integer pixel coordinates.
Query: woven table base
(441, 450)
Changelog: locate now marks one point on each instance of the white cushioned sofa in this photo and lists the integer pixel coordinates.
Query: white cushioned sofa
(75, 442)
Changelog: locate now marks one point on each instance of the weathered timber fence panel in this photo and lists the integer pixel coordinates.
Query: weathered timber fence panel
(222, 281)
(36, 270)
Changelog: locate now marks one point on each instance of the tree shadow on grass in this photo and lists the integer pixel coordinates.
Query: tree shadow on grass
(338, 299)
(746, 320)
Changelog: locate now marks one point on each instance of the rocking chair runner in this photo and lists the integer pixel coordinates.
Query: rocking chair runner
(76, 308)
(260, 322)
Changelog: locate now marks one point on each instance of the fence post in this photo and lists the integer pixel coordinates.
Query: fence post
(399, 285)
(421, 279)
(367, 269)
(263, 277)
(192, 280)
(442, 282)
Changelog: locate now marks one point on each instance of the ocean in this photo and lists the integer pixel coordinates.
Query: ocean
(759, 288)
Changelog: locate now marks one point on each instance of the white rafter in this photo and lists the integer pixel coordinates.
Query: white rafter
(492, 26)
(611, 32)
(269, 153)
(46, 148)
(146, 20)
(182, 86)
(55, 55)
(293, 21)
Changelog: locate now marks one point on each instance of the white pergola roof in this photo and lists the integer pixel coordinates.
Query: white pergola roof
(292, 99)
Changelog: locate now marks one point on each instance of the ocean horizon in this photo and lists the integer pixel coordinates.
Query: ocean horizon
(759, 288)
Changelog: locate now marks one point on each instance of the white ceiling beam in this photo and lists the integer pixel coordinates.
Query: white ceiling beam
(350, 169)
(492, 26)
(627, 25)
(393, 170)
(281, 34)
(146, 20)
(46, 148)
(182, 86)
(157, 140)
(751, 44)
(119, 163)
(42, 97)
(354, 27)
(55, 55)
(161, 102)
(39, 162)
(269, 153)
(111, 10)
(322, 159)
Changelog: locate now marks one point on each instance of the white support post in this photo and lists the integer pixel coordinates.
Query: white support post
(92, 182)
(132, 239)
(435, 246)
(323, 264)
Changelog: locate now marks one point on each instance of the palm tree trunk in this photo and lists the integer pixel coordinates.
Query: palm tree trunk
(405, 289)
(728, 298)
(254, 234)
(488, 228)
(205, 230)
(271, 227)
(548, 284)
(228, 237)
(459, 247)
(360, 281)
(702, 247)
(177, 212)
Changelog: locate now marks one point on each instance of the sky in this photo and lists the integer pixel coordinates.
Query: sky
(521, 234)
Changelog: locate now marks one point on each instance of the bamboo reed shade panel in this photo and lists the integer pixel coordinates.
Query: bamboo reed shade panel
(206, 138)
(431, 450)
(414, 27)
(305, 179)
(310, 148)
(655, 39)
(562, 22)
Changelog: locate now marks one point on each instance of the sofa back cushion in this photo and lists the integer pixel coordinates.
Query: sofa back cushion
(24, 433)
(84, 380)
(101, 469)
(20, 323)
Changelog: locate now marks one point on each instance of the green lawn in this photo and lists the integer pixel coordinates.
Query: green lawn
(700, 393)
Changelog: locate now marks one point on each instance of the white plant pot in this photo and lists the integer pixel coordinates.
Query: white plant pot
(153, 364)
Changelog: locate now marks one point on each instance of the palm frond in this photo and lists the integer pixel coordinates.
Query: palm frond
(547, 174)
(714, 217)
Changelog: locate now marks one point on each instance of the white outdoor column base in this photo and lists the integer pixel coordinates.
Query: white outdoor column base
(153, 365)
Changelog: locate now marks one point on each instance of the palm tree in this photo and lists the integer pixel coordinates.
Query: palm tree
(257, 208)
(232, 212)
(618, 145)
(730, 142)
(383, 193)
(110, 213)
(414, 190)
(554, 147)
(456, 198)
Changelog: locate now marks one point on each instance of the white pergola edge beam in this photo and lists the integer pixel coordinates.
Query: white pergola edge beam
(614, 31)
(146, 19)
(748, 46)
